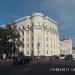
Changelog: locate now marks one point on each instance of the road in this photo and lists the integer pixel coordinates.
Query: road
(35, 68)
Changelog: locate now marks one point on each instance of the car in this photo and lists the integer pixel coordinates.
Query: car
(22, 59)
(62, 57)
(54, 57)
(68, 57)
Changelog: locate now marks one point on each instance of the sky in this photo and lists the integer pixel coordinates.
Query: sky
(62, 11)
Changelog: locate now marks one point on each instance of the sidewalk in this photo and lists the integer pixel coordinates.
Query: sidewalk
(6, 60)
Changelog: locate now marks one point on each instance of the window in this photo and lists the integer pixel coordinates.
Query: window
(32, 24)
(28, 45)
(32, 31)
(53, 29)
(46, 22)
(47, 38)
(23, 27)
(19, 28)
(54, 46)
(31, 52)
(61, 51)
(51, 45)
(23, 39)
(47, 45)
(28, 25)
(32, 44)
(28, 21)
(50, 27)
(43, 24)
(22, 32)
(28, 38)
(32, 37)
(27, 52)
(47, 51)
(51, 51)
(38, 23)
(47, 33)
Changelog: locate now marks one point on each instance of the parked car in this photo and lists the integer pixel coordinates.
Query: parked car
(68, 57)
(22, 59)
(54, 57)
(62, 57)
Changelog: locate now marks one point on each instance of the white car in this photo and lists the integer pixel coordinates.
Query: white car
(62, 57)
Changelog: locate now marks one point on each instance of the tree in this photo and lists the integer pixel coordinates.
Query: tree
(1, 39)
(8, 39)
(21, 53)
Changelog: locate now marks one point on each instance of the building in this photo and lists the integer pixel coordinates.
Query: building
(39, 35)
(73, 52)
(65, 46)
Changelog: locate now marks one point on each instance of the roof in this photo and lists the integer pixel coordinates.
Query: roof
(36, 14)
(22, 18)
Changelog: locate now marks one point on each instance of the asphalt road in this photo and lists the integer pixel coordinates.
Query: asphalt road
(35, 68)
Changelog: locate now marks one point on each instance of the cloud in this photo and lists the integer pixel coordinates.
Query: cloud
(65, 16)
(64, 8)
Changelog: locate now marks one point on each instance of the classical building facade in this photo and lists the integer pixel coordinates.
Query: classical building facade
(39, 35)
(73, 52)
(65, 46)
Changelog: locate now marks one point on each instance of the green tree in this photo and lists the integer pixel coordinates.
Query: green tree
(21, 53)
(9, 39)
